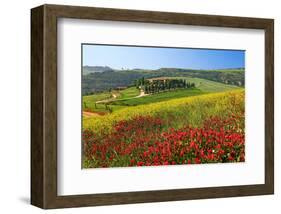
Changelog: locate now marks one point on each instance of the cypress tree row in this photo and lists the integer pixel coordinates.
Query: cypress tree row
(159, 85)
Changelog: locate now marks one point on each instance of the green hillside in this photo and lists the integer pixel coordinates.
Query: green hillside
(163, 96)
(117, 99)
(210, 86)
(111, 79)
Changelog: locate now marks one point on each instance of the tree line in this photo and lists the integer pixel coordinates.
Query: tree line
(159, 85)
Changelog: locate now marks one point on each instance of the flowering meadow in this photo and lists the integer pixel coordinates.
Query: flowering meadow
(194, 130)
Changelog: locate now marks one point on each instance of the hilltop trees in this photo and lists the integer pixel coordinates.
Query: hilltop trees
(151, 86)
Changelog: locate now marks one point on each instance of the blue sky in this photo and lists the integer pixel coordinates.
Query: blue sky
(128, 57)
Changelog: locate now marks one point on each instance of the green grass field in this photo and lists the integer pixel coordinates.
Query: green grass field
(159, 97)
(128, 97)
(129, 93)
(211, 86)
(90, 100)
(208, 85)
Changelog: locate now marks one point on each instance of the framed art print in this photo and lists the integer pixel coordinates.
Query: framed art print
(138, 106)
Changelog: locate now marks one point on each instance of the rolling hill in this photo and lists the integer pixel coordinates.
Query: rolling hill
(109, 78)
(129, 96)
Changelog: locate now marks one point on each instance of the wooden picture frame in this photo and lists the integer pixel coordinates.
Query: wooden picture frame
(44, 106)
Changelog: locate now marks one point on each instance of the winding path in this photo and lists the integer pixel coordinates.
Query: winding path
(142, 94)
(114, 98)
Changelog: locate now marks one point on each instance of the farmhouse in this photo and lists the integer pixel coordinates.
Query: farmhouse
(158, 79)
(121, 87)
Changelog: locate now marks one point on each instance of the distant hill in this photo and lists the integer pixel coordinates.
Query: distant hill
(94, 69)
(106, 78)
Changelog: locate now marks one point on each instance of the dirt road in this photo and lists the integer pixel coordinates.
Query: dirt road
(90, 114)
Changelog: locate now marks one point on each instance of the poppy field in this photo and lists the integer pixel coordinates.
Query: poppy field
(193, 130)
